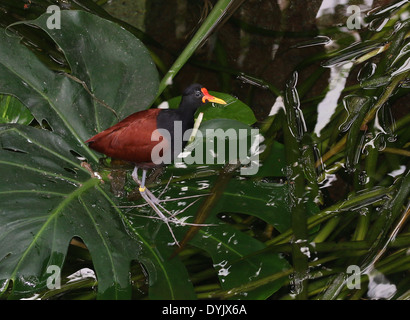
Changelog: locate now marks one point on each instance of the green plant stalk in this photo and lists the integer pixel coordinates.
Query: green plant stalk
(321, 279)
(347, 248)
(313, 78)
(214, 17)
(393, 18)
(397, 262)
(364, 218)
(269, 130)
(371, 166)
(249, 286)
(296, 180)
(393, 49)
(355, 140)
(380, 246)
(378, 235)
(225, 294)
(391, 210)
(203, 291)
(371, 160)
(86, 283)
(285, 273)
(331, 170)
(339, 146)
(367, 198)
(401, 263)
(401, 152)
(402, 122)
(371, 54)
(385, 96)
(210, 202)
(6, 104)
(326, 230)
(359, 200)
(362, 227)
(308, 158)
(389, 261)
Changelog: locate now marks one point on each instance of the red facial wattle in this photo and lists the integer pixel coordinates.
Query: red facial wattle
(210, 98)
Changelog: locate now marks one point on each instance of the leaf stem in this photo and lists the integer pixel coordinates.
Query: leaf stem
(291, 130)
(360, 199)
(214, 17)
(339, 146)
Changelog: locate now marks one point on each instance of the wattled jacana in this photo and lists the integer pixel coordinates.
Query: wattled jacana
(134, 138)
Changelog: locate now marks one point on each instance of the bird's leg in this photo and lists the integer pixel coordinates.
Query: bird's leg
(147, 196)
(142, 183)
(158, 212)
(179, 198)
(135, 175)
(153, 198)
(154, 203)
(173, 218)
(166, 187)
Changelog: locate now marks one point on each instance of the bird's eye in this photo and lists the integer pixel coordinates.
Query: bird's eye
(198, 94)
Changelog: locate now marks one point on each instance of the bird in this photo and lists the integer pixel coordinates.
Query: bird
(134, 138)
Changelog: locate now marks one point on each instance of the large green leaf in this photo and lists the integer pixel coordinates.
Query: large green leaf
(13, 111)
(47, 197)
(113, 64)
(229, 247)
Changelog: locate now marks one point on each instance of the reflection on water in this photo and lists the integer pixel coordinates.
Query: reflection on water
(379, 286)
(84, 273)
(327, 107)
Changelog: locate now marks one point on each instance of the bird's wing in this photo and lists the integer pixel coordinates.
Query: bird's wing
(130, 139)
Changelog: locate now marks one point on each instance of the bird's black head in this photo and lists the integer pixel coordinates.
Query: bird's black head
(196, 95)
